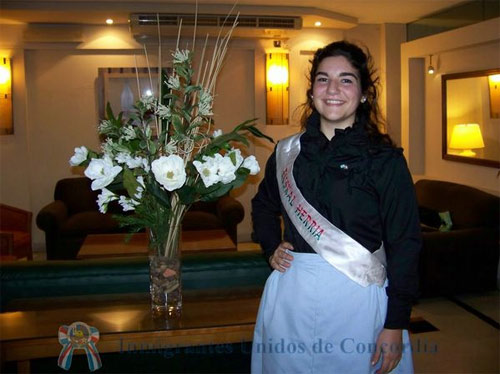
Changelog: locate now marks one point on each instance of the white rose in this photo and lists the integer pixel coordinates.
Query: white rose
(102, 172)
(251, 164)
(208, 169)
(226, 170)
(80, 155)
(104, 198)
(216, 133)
(169, 171)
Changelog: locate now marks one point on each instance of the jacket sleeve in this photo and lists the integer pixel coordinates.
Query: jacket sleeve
(402, 239)
(266, 210)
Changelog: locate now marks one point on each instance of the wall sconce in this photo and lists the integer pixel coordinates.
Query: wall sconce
(430, 69)
(494, 86)
(466, 137)
(277, 88)
(6, 125)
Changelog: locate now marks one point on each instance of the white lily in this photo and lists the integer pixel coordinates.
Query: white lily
(102, 172)
(169, 171)
(80, 155)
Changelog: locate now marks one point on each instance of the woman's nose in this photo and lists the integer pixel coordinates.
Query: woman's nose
(333, 87)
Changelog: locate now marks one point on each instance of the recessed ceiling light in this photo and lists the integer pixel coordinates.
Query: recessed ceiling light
(317, 23)
(109, 21)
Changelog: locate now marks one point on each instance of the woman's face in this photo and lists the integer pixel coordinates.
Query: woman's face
(336, 93)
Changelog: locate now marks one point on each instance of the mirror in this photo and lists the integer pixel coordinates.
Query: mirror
(471, 117)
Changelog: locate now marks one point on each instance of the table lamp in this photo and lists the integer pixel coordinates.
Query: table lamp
(466, 137)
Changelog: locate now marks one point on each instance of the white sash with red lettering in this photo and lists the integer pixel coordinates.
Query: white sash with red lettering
(339, 249)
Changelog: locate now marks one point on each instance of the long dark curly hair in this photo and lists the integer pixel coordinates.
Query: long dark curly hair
(368, 113)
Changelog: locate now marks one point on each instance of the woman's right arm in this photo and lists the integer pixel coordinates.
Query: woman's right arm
(266, 210)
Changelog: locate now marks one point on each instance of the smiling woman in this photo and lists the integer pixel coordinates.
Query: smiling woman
(345, 267)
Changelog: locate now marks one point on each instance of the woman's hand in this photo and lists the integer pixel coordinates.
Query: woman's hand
(390, 345)
(281, 259)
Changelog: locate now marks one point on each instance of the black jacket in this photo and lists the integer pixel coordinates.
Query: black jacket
(364, 189)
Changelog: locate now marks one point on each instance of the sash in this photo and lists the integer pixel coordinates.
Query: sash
(336, 247)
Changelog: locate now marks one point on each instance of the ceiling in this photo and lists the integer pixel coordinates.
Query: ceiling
(340, 14)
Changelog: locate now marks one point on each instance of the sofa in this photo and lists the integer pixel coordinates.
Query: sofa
(15, 233)
(463, 256)
(74, 214)
(22, 281)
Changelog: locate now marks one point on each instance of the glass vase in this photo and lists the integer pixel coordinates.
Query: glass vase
(165, 284)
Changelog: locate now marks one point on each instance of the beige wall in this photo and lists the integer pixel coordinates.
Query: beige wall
(470, 48)
(56, 107)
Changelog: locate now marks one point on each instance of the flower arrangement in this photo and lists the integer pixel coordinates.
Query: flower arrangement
(166, 155)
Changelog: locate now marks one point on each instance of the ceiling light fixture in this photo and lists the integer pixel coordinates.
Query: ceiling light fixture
(430, 69)
(109, 21)
(317, 23)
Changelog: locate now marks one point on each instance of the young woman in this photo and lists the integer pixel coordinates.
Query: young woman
(340, 297)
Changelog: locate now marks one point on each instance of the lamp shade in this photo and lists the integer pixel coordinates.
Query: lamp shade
(277, 100)
(466, 137)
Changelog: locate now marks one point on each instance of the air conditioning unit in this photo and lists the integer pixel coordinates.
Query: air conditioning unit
(145, 25)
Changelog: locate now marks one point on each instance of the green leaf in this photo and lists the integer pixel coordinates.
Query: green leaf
(190, 89)
(186, 113)
(177, 122)
(220, 191)
(172, 96)
(242, 126)
(232, 156)
(187, 194)
(162, 196)
(109, 112)
(241, 176)
(152, 147)
(129, 182)
(255, 131)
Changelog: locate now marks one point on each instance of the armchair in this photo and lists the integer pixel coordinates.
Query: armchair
(15, 232)
(465, 258)
(74, 214)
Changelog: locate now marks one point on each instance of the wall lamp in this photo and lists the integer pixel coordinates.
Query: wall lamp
(6, 125)
(430, 69)
(277, 100)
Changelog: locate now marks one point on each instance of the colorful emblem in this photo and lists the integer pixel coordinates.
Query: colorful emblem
(79, 335)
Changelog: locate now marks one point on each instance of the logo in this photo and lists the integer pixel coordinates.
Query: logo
(79, 335)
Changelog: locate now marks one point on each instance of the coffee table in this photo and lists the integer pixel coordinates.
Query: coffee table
(114, 245)
(125, 322)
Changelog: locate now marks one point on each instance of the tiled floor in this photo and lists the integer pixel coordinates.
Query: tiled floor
(464, 343)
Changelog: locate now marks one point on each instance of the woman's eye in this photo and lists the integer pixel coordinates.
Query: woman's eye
(346, 80)
(321, 79)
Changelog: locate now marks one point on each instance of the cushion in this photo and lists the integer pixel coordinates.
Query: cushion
(431, 219)
(199, 220)
(90, 223)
